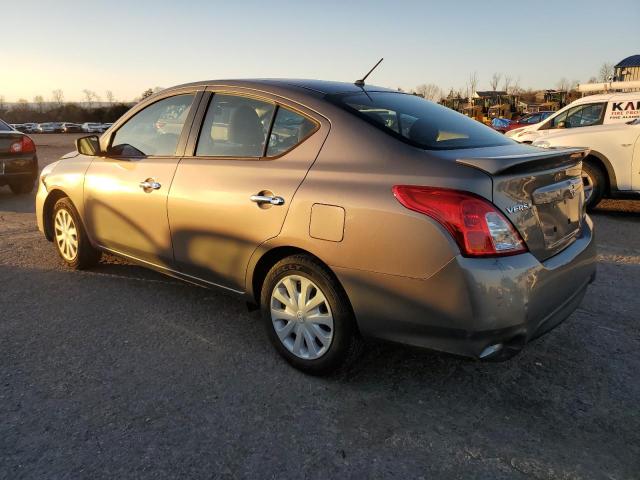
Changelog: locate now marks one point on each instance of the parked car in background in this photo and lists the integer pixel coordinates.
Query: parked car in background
(105, 126)
(71, 128)
(92, 127)
(18, 160)
(274, 190)
(47, 127)
(586, 112)
(612, 169)
(30, 127)
(16, 126)
(530, 119)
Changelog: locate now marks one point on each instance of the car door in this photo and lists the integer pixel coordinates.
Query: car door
(125, 192)
(233, 189)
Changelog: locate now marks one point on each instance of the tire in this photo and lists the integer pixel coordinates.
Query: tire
(331, 347)
(69, 231)
(23, 187)
(593, 178)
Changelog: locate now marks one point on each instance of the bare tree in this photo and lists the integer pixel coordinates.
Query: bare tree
(147, 93)
(592, 80)
(472, 84)
(89, 97)
(429, 91)
(495, 81)
(563, 84)
(506, 83)
(39, 100)
(58, 97)
(2, 103)
(108, 95)
(606, 72)
(516, 89)
(23, 104)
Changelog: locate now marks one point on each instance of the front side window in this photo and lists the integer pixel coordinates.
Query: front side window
(154, 131)
(585, 115)
(555, 121)
(235, 126)
(419, 122)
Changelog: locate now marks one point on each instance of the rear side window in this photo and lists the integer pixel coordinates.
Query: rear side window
(154, 130)
(5, 127)
(419, 122)
(235, 126)
(289, 129)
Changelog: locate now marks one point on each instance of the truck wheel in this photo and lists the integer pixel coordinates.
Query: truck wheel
(594, 184)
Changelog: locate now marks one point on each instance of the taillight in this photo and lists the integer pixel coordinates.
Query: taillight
(23, 145)
(476, 225)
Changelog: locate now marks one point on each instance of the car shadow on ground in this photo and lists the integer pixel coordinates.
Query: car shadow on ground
(10, 202)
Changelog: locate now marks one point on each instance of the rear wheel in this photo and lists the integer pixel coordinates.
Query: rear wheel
(22, 187)
(308, 317)
(594, 184)
(69, 237)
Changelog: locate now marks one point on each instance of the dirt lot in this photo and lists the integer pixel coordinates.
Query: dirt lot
(122, 372)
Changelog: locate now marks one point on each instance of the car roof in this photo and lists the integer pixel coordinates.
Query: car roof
(317, 87)
(606, 97)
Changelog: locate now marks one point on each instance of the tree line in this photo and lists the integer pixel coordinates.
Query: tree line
(504, 82)
(91, 109)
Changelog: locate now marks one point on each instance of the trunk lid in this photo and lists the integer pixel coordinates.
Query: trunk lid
(540, 192)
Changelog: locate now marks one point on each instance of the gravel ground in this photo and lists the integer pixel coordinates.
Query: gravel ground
(121, 372)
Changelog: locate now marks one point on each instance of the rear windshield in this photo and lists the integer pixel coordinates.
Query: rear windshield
(4, 127)
(419, 122)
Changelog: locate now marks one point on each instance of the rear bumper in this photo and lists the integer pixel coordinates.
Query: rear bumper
(18, 168)
(471, 304)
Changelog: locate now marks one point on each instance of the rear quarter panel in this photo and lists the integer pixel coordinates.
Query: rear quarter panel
(356, 170)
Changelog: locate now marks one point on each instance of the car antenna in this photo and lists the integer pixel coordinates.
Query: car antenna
(360, 83)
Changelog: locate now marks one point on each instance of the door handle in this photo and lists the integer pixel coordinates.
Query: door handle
(149, 185)
(270, 199)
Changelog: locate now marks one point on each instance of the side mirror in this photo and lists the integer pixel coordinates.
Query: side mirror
(89, 145)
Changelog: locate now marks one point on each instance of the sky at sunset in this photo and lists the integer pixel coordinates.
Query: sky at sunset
(127, 46)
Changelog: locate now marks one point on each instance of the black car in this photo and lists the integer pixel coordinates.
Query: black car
(18, 160)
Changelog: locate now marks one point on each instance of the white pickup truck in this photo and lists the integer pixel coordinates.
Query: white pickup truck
(612, 168)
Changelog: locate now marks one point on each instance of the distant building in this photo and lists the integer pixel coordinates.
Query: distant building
(628, 69)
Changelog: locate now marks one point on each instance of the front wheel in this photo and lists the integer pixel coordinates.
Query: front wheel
(308, 317)
(69, 237)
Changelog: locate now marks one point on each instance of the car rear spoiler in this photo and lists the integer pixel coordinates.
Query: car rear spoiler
(550, 158)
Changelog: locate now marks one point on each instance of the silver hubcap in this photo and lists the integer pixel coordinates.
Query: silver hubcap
(66, 235)
(587, 184)
(301, 317)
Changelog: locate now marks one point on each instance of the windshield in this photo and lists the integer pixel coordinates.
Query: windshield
(419, 122)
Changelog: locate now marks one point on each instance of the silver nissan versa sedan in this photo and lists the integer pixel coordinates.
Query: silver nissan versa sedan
(340, 210)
